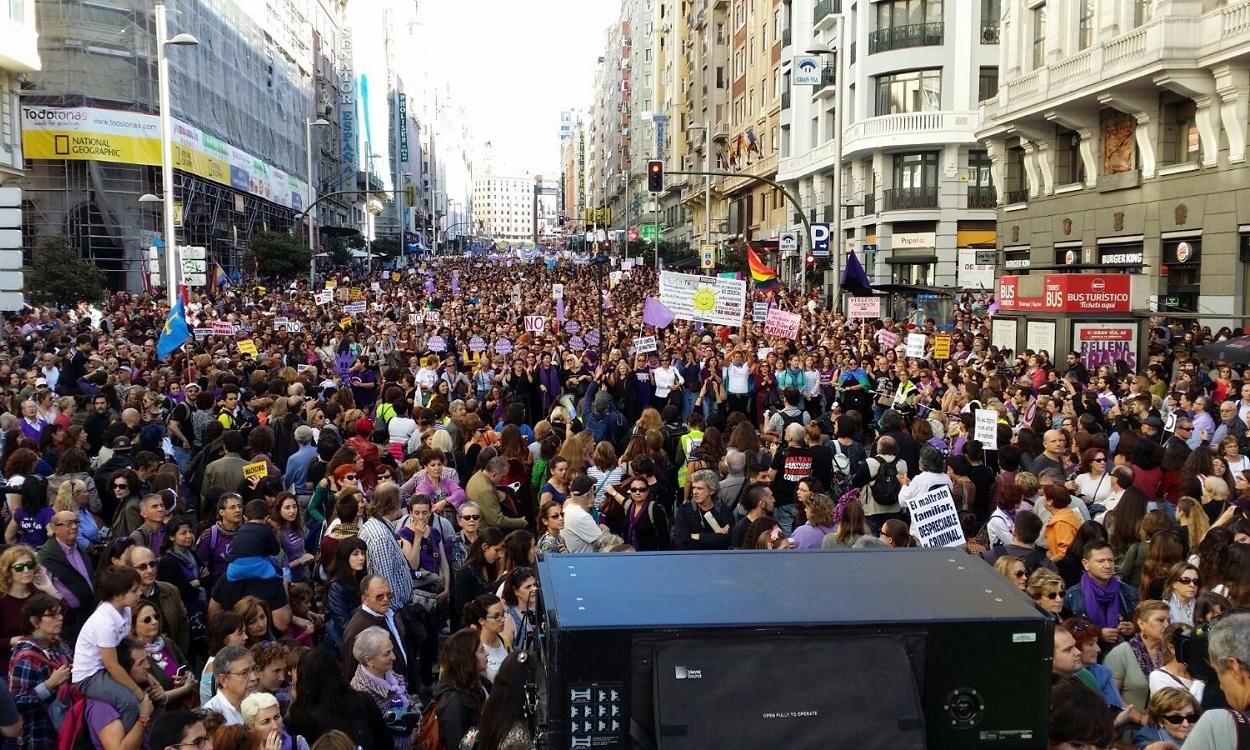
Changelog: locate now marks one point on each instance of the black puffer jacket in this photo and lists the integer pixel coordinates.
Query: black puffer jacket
(458, 712)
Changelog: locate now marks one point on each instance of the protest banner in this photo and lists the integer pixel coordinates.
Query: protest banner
(704, 299)
(477, 344)
(323, 297)
(915, 345)
(557, 291)
(436, 344)
(432, 316)
(935, 520)
(864, 308)
(414, 319)
(247, 346)
(759, 312)
(942, 347)
(535, 323)
(576, 343)
(644, 344)
(258, 470)
(503, 346)
(985, 429)
(781, 323)
(356, 308)
(1100, 344)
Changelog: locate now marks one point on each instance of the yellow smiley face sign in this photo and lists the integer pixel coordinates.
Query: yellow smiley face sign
(705, 300)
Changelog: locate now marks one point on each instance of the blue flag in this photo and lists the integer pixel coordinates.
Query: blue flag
(175, 332)
(854, 279)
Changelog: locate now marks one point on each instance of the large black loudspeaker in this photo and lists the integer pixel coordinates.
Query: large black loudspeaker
(855, 649)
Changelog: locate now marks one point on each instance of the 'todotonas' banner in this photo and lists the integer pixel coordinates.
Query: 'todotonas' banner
(91, 133)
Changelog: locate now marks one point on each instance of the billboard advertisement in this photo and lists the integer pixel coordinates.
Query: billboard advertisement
(1105, 344)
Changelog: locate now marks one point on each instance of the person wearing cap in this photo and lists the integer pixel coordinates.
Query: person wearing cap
(580, 529)
(366, 450)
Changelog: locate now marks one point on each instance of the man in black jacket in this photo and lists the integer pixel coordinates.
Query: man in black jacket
(70, 572)
(704, 522)
(375, 609)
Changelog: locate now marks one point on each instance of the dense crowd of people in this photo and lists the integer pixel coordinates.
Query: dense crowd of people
(321, 530)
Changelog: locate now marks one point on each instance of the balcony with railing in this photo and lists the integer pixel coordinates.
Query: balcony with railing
(902, 37)
(982, 196)
(1017, 196)
(989, 32)
(823, 15)
(910, 199)
(828, 82)
(913, 128)
(870, 204)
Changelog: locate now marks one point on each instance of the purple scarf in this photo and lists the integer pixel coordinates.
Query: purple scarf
(1102, 603)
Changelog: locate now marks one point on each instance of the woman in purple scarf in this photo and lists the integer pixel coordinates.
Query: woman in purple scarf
(548, 384)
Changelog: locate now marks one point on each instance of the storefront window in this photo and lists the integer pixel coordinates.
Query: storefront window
(917, 274)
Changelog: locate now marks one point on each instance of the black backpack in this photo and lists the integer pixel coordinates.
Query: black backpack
(789, 419)
(885, 486)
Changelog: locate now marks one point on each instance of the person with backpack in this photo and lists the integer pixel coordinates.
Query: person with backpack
(1229, 652)
(39, 672)
(878, 475)
(791, 413)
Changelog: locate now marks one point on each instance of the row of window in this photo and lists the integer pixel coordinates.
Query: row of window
(1083, 15)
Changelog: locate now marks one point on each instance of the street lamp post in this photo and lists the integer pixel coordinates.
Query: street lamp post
(836, 239)
(312, 194)
(167, 148)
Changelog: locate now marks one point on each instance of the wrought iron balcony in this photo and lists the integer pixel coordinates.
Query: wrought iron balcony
(902, 37)
(906, 199)
(982, 196)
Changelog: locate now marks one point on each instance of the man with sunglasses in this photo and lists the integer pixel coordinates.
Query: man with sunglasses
(174, 621)
(176, 730)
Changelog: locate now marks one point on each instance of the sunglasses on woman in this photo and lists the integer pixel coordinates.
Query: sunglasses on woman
(1180, 718)
(23, 566)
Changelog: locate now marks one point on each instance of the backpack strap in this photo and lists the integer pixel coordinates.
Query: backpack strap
(1242, 725)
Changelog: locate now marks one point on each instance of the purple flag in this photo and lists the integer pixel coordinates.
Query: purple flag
(429, 286)
(655, 314)
(607, 301)
(560, 309)
(455, 282)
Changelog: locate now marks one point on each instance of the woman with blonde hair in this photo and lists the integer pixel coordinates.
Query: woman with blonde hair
(819, 522)
(576, 450)
(1193, 521)
(1012, 568)
(72, 496)
(1215, 495)
(650, 420)
(1045, 587)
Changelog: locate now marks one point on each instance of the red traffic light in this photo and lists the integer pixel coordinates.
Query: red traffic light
(655, 176)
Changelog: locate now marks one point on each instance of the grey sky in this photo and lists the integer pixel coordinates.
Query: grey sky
(516, 65)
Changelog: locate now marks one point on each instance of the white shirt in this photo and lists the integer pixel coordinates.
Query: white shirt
(665, 379)
(737, 378)
(580, 530)
(222, 706)
(1094, 490)
(105, 628)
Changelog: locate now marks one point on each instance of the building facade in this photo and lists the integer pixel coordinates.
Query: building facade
(503, 207)
(917, 190)
(19, 55)
(1119, 139)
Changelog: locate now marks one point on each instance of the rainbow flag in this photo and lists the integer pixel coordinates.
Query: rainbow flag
(764, 276)
(219, 276)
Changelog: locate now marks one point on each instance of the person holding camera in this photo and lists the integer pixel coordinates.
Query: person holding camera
(1228, 648)
(375, 679)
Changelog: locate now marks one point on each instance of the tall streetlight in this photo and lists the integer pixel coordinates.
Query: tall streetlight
(836, 239)
(707, 179)
(312, 194)
(167, 147)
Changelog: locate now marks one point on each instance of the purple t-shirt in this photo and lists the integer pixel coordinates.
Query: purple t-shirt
(33, 530)
(808, 536)
(99, 716)
(431, 547)
(364, 396)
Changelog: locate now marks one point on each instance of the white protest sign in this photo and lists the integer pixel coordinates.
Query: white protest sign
(644, 344)
(935, 520)
(431, 316)
(915, 345)
(414, 319)
(279, 324)
(864, 308)
(557, 291)
(704, 299)
(356, 308)
(781, 323)
(986, 429)
(535, 323)
(324, 297)
(759, 312)
(223, 328)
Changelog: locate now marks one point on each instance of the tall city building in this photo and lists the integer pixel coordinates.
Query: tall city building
(916, 185)
(91, 135)
(705, 99)
(671, 119)
(503, 206)
(572, 167)
(1118, 142)
(19, 55)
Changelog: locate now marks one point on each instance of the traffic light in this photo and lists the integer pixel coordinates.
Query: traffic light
(655, 176)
